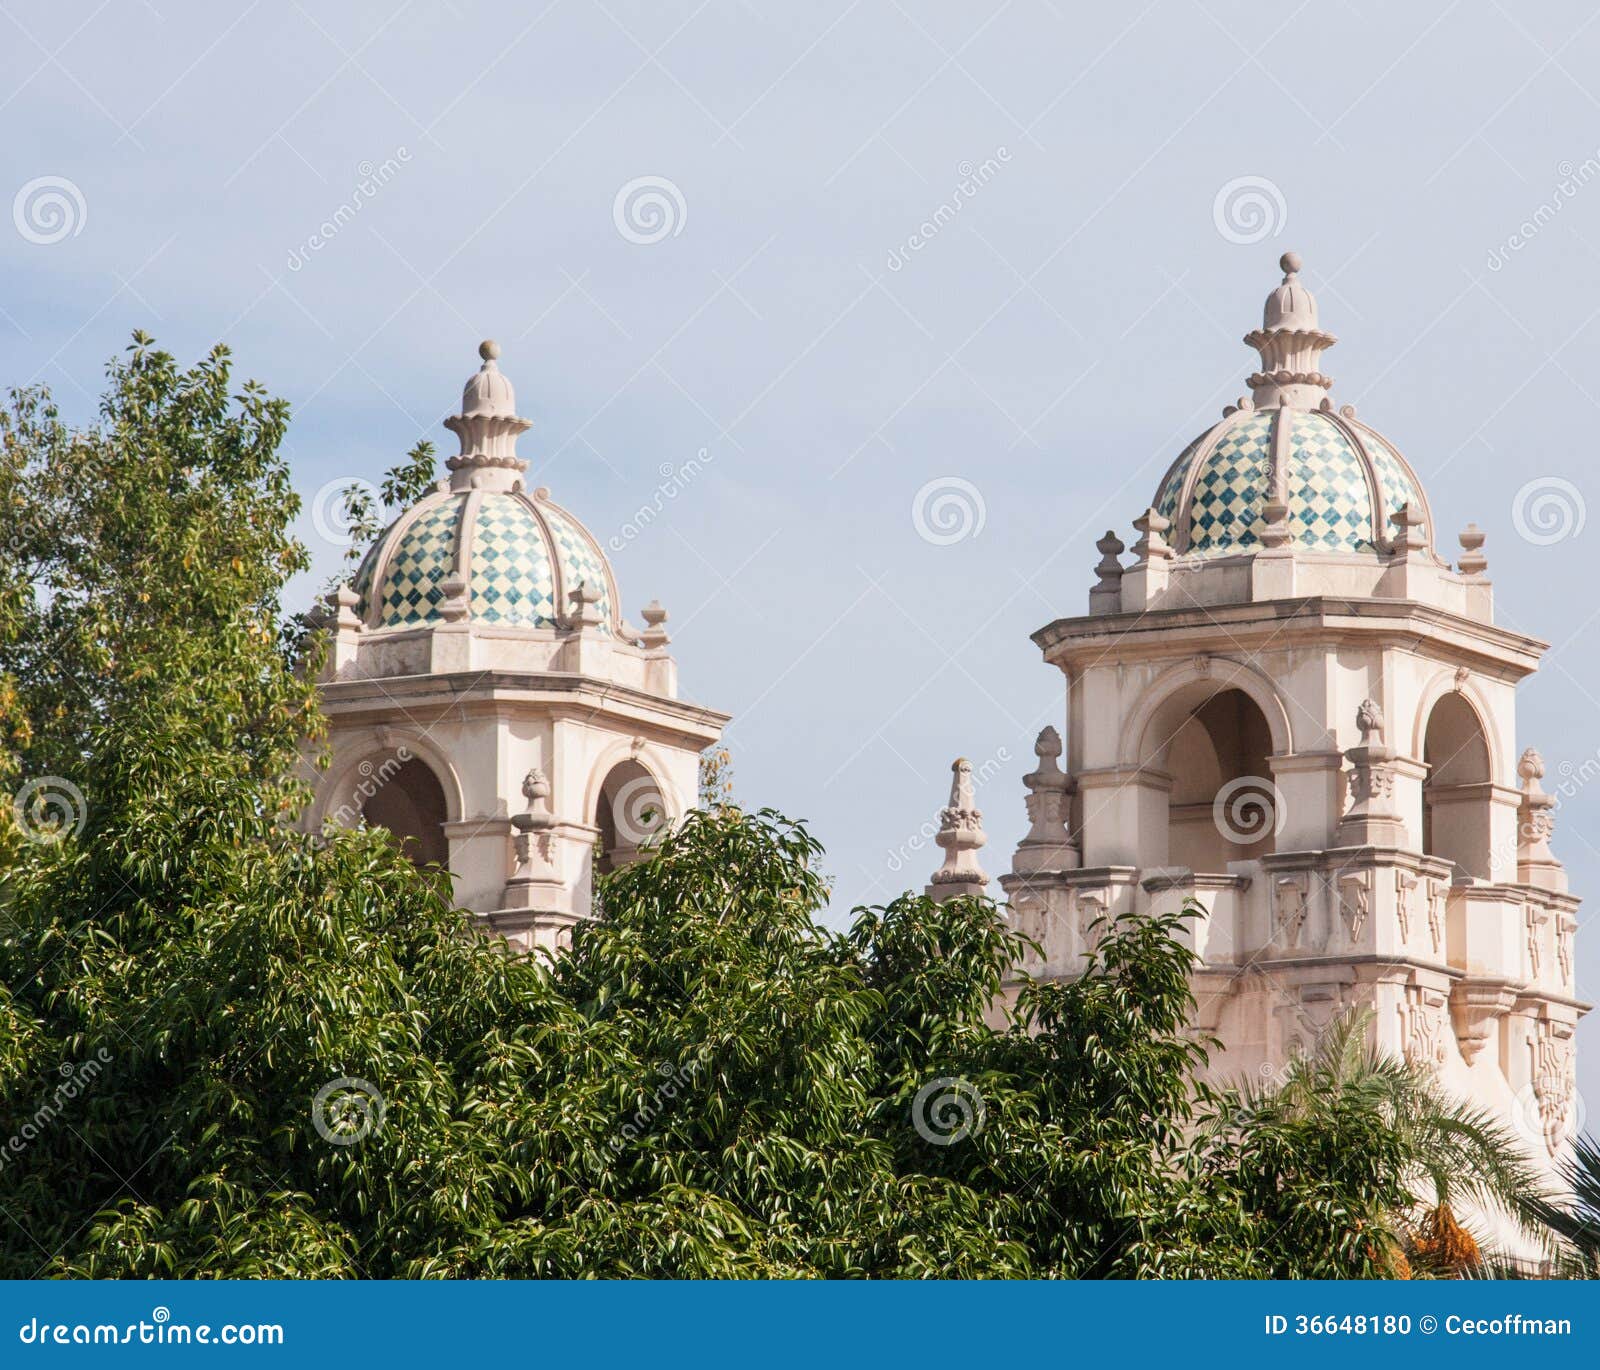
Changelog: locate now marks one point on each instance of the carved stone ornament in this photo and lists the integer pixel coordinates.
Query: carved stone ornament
(960, 835)
(1438, 894)
(1290, 899)
(1092, 907)
(1355, 901)
(1425, 1028)
(1553, 1083)
(1404, 883)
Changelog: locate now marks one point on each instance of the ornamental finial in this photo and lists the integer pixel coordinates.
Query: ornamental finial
(488, 428)
(960, 835)
(1291, 343)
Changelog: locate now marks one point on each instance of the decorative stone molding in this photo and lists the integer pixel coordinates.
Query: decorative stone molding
(1536, 822)
(1424, 1026)
(1411, 533)
(1371, 820)
(1535, 919)
(1291, 344)
(1404, 883)
(1355, 901)
(1291, 896)
(1047, 845)
(960, 836)
(1276, 530)
(1553, 1079)
(1472, 562)
(1152, 544)
(654, 637)
(1106, 596)
(536, 882)
(1476, 1008)
(585, 612)
(488, 429)
(338, 617)
(1438, 897)
(1092, 908)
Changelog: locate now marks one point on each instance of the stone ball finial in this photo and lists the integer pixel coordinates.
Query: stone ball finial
(1531, 765)
(489, 349)
(1048, 744)
(1291, 263)
(1369, 719)
(535, 786)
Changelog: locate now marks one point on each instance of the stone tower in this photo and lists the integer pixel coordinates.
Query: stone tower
(486, 700)
(1292, 709)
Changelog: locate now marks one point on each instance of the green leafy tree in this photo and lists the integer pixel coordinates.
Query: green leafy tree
(230, 1049)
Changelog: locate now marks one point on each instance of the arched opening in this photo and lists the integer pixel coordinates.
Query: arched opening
(630, 813)
(1223, 805)
(1456, 795)
(408, 800)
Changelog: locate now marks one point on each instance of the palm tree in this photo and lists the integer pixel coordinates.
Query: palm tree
(1356, 1162)
(1575, 1223)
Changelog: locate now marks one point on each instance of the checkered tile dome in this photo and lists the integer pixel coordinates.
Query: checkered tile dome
(520, 556)
(1342, 481)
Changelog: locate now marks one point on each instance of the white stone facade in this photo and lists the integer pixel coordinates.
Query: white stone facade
(1292, 710)
(487, 701)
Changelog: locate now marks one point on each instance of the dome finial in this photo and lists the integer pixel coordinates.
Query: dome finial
(1291, 343)
(488, 427)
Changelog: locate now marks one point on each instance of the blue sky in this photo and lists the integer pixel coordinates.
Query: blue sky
(1053, 344)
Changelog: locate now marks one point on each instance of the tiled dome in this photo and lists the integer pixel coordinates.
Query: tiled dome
(519, 555)
(1341, 483)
